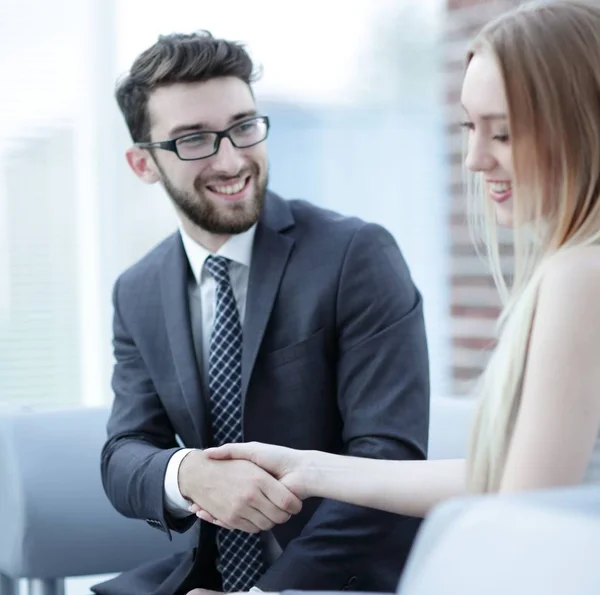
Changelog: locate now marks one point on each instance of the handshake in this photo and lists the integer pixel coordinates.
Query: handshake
(250, 487)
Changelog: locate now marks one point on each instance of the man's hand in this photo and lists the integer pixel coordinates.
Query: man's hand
(238, 493)
(291, 467)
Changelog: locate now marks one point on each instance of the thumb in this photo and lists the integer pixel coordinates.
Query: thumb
(225, 452)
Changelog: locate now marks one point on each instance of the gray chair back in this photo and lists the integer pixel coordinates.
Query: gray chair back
(56, 519)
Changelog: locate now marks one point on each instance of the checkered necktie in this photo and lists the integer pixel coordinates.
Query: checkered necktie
(240, 554)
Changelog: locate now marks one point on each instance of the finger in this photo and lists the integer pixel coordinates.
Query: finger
(206, 516)
(203, 515)
(243, 521)
(281, 497)
(274, 514)
(258, 516)
(238, 524)
(252, 518)
(247, 526)
(217, 453)
(228, 451)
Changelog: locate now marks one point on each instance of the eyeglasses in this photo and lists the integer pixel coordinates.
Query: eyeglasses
(205, 143)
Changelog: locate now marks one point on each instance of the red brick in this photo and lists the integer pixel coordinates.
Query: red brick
(473, 343)
(461, 373)
(477, 281)
(475, 311)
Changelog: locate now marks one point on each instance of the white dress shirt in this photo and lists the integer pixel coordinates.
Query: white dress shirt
(203, 303)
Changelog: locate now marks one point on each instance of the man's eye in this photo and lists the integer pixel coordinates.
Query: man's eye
(247, 127)
(197, 139)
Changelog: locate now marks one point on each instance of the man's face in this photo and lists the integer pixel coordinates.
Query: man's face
(224, 193)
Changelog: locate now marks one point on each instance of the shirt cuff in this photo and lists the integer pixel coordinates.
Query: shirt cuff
(175, 503)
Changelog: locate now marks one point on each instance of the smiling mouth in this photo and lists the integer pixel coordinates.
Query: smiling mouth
(500, 191)
(231, 189)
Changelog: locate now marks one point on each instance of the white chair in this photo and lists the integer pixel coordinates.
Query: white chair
(544, 542)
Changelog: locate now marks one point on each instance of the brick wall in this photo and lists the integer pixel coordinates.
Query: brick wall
(474, 300)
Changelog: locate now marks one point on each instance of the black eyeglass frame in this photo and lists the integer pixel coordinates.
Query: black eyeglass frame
(171, 145)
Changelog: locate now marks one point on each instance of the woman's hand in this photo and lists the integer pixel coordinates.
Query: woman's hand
(285, 464)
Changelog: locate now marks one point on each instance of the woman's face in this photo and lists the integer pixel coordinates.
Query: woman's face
(489, 147)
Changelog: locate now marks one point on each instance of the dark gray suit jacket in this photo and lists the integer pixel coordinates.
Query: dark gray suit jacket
(334, 359)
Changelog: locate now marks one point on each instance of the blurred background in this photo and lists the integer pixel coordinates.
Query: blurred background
(362, 95)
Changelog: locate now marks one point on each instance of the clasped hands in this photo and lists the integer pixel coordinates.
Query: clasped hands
(250, 486)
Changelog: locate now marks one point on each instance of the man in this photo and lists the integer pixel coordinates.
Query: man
(260, 319)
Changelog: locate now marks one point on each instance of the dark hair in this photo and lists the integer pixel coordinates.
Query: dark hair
(177, 58)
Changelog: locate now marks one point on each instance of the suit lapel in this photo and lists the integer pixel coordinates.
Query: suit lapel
(175, 300)
(270, 254)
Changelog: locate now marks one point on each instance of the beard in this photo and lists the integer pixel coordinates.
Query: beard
(219, 219)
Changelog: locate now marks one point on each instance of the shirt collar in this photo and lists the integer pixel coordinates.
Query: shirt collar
(237, 248)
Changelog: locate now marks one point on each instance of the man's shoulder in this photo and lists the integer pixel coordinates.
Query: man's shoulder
(148, 266)
(313, 219)
(312, 216)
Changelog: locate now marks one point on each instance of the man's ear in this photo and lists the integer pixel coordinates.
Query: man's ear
(142, 164)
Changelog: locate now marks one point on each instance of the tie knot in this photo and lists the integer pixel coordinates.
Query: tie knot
(218, 267)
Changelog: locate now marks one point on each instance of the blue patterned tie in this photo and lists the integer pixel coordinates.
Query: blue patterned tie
(240, 554)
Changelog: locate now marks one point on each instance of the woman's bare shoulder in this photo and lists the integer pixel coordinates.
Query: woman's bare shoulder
(573, 274)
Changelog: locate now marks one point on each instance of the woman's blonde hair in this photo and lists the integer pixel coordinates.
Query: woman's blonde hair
(548, 54)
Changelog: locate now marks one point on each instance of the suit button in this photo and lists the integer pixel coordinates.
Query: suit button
(351, 582)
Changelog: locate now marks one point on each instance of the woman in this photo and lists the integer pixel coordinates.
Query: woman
(531, 96)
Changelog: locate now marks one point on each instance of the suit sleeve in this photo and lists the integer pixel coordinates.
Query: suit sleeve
(140, 438)
(383, 396)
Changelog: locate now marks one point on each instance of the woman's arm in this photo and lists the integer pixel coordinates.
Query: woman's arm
(405, 487)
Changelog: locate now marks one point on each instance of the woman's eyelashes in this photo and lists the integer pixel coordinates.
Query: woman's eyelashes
(503, 138)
